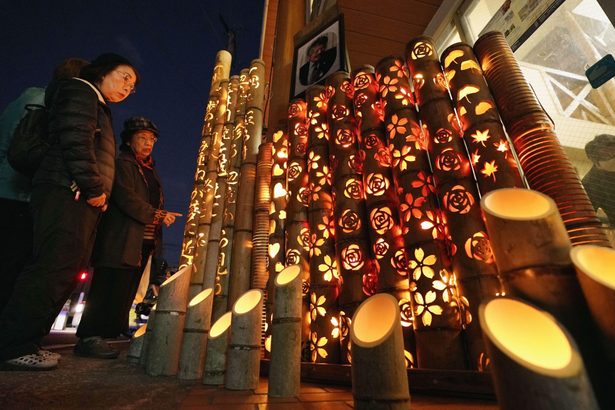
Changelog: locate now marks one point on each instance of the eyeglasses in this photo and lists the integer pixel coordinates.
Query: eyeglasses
(127, 81)
(144, 139)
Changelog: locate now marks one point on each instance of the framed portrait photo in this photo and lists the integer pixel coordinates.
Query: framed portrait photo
(318, 56)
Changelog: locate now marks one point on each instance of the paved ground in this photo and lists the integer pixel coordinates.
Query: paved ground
(115, 384)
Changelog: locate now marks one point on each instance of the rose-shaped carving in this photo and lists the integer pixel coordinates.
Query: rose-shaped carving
(355, 163)
(448, 160)
(361, 81)
(329, 92)
(304, 196)
(301, 148)
(370, 282)
(294, 109)
(421, 49)
(294, 170)
(405, 307)
(352, 257)
(478, 247)
(370, 141)
(381, 219)
(418, 81)
(443, 136)
(353, 189)
(350, 221)
(383, 156)
(400, 262)
(344, 137)
(440, 81)
(347, 88)
(339, 112)
(293, 257)
(305, 287)
(381, 247)
(376, 184)
(458, 200)
(300, 130)
(304, 238)
(359, 100)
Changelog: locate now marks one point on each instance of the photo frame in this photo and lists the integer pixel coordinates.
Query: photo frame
(318, 55)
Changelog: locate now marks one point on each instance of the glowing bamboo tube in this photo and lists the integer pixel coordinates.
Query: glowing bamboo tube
(147, 338)
(285, 365)
(535, 362)
(217, 343)
(377, 343)
(243, 359)
(163, 355)
(595, 266)
(136, 345)
(194, 343)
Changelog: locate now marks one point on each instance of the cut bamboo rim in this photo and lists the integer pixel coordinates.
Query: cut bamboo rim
(194, 343)
(285, 365)
(215, 359)
(377, 343)
(243, 364)
(535, 362)
(595, 266)
(136, 345)
(525, 228)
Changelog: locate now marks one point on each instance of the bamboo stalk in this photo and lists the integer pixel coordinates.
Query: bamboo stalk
(148, 336)
(377, 343)
(194, 342)
(136, 345)
(538, 372)
(217, 343)
(285, 365)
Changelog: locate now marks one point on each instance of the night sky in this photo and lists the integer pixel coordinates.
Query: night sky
(172, 44)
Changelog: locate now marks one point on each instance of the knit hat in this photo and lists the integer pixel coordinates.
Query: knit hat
(134, 124)
(601, 148)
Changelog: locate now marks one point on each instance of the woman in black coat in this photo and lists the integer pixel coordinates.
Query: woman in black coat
(128, 234)
(70, 192)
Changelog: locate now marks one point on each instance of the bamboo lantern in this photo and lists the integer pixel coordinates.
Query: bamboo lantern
(147, 338)
(241, 253)
(297, 226)
(377, 343)
(437, 323)
(285, 365)
(199, 281)
(542, 158)
(136, 345)
(222, 67)
(492, 158)
(324, 275)
(472, 259)
(194, 342)
(260, 228)
(243, 357)
(230, 199)
(595, 266)
(535, 362)
(217, 344)
(166, 340)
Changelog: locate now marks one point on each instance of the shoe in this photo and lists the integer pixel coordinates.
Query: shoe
(30, 362)
(53, 355)
(95, 347)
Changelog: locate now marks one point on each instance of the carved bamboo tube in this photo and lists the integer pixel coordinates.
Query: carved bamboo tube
(194, 343)
(544, 371)
(136, 345)
(377, 343)
(163, 355)
(285, 365)
(243, 360)
(217, 343)
(147, 338)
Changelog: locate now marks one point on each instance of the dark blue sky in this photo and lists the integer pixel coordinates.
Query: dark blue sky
(172, 44)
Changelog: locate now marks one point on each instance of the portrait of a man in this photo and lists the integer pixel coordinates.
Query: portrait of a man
(320, 60)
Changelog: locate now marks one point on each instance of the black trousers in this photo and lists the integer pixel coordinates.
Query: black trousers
(109, 300)
(16, 248)
(64, 232)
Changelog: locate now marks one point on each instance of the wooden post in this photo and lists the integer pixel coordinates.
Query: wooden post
(194, 343)
(285, 365)
(535, 362)
(163, 355)
(217, 343)
(243, 359)
(136, 345)
(377, 343)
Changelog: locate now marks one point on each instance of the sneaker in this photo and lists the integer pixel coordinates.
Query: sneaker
(30, 362)
(95, 347)
(46, 353)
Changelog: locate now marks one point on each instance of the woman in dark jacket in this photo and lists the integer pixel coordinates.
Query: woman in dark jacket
(70, 191)
(128, 234)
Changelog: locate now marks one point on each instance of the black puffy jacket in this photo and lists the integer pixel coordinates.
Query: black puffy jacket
(83, 143)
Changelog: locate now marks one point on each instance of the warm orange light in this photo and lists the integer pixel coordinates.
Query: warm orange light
(287, 275)
(201, 296)
(248, 301)
(518, 204)
(374, 320)
(596, 262)
(221, 325)
(140, 331)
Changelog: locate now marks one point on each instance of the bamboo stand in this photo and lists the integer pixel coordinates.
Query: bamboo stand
(285, 366)
(147, 338)
(377, 343)
(541, 371)
(164, 351)
(217, 343)
(136, 345)
(243, 363)
(194, 343)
